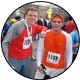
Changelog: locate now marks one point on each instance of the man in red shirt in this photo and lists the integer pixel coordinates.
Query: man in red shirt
(17, 44)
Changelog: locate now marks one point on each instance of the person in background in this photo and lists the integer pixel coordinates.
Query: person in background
(5, 29)
(68, 29)
(54, 51)
(45, 22)
(17, 44)
(7, 26)
(49, 25)
(72, 30)
(18, 17)
(39, 22)
(12, 20)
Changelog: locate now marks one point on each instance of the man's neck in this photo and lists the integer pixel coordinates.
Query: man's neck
(27, 24)
(57, 31)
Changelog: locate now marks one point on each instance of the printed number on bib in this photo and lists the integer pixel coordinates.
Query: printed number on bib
(27, 42)
(53, 58)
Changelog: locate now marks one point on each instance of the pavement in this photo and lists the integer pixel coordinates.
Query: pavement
(33, 67)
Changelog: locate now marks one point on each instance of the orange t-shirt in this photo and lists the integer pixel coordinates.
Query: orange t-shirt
(54, 50)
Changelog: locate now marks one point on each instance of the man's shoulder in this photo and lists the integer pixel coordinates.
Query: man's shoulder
(66, 34)
(48, 31)
(17, 26)
(19, 22)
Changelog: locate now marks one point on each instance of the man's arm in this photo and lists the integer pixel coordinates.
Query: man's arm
(40, 51)
(7, 39)
(69, 53)
(40, 29)
(76, 45)
(40, 54)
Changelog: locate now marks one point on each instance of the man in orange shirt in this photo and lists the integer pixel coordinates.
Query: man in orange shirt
(54, 51)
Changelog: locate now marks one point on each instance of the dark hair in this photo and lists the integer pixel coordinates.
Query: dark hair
(30, 9)
(18, 17)
(70, 18)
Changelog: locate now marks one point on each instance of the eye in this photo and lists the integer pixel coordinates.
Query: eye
(57, 21)
(35, 15)
(32, 15)
(54, 21)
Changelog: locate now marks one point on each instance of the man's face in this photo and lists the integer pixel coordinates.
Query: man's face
(31, 17)
(56, 24)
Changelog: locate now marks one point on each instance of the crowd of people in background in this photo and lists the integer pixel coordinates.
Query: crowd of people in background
(8, 24)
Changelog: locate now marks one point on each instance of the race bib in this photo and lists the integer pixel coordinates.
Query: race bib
(27, 42)
(53, 57)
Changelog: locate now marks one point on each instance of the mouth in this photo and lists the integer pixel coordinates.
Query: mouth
(32, 22)
(55, 26)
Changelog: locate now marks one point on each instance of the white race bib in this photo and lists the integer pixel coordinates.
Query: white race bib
(27, 42)
(53, 57)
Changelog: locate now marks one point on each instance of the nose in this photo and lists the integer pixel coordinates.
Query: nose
(33, 16)
(56, 22)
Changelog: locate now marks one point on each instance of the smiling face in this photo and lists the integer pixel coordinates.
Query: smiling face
(31, 16)
(57, 23)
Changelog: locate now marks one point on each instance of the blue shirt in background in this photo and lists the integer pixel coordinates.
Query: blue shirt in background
(75, 40)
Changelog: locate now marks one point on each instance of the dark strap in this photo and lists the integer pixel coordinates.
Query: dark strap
(46, 76)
